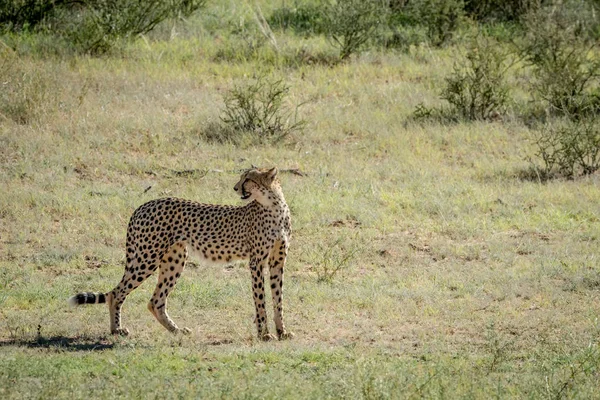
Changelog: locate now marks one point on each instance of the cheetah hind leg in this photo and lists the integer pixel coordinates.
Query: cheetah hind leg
(171, 267)
(132, 278)
(115, 328)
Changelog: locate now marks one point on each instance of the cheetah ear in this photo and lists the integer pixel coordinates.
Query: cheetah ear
(272, 173)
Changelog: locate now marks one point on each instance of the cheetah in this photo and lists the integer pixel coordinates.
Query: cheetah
(162, 232)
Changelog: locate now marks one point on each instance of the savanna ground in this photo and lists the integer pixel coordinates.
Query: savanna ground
(425, 261)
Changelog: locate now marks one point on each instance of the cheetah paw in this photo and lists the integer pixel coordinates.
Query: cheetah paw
(121, 332)
(266, 337)
(286, 335)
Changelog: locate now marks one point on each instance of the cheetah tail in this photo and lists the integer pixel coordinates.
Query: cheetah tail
(87, 298)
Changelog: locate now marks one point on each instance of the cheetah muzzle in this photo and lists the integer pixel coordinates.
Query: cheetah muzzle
(161, 234)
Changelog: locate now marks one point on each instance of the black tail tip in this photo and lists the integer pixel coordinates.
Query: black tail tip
(87, 298)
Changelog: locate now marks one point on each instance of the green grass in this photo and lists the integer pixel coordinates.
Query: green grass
(457, 278)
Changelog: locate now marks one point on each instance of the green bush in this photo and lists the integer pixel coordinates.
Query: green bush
(258, 109)
(93, 26)
(500, 10)
(441, 18)
(477, 87)
(305, 19)
(568, 147)
(352, 23)
(20, 14)
(403, 36)
(440, 115)
(96, 28)
(560, 47)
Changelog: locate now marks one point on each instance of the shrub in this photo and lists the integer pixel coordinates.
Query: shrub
(95, 29)
(258, 109)
(476, 89)
(559, 45)
(350, 24)
(500, 10)
(18, 14)
(306, 19)
(568, 147)
(333, 256)
(93, 26)
(441, 18)
(440, 115)
(402, 30)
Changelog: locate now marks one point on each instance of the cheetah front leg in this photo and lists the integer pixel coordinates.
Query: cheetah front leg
(258, 289)
(276, 266)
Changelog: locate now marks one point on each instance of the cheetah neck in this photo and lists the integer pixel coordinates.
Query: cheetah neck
(273, 199)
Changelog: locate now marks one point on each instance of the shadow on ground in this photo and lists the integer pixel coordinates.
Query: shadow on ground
(61, 343)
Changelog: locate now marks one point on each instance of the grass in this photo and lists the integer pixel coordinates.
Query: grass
(457, 277)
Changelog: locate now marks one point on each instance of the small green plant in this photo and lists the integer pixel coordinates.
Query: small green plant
(568, 147)
(331, 258)
(560, 47)
(441, 115)
(497, 346)
(477, 87)
(350, 24)
(258, 109)
(560, 384)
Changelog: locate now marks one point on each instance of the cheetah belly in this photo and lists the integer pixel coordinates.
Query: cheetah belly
(210, 259)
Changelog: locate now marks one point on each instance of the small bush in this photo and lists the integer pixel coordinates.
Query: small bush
(20, 14)
(95, 29)
(305, 19)
(403, 28)
(258, 109)
(402, 37)
(352, 23)
(332, 257)
(560, 47)
(477, 87)
(569, 148)
(441, 18)
(440, 115)
(93, 26)
(500, 10)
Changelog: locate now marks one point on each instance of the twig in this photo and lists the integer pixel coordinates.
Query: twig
(264, 26)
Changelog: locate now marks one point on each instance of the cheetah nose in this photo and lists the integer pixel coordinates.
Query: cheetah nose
(235, 188)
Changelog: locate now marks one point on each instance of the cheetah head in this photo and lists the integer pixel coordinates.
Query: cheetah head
(257, 184)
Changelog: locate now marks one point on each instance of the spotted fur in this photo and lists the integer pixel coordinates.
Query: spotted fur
(162, 232)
